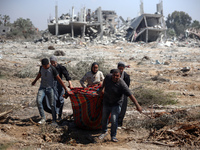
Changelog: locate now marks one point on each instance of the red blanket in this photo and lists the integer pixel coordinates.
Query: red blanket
(87, 107)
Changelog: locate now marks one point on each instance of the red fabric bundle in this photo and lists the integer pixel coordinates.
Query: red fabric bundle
(87, 107)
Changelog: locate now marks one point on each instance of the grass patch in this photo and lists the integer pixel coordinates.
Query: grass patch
(2, 76)
(5, 146)
(150, 96)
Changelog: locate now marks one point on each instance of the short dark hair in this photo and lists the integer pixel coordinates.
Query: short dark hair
(111, 71)
(115, 71)
(121, 64)
(45, 61)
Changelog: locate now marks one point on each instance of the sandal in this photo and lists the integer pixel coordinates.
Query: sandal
(102, 136)
(114, 139)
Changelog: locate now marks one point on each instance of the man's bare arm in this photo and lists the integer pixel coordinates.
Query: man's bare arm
(139, 108)
(70, 84)
(37, 77)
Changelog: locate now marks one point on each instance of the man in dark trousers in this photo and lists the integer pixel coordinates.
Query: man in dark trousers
(47, 73)
(114, 88)
(126, 78)
(59, 91)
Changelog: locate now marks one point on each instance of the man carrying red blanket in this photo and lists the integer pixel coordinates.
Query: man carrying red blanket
(114, 88)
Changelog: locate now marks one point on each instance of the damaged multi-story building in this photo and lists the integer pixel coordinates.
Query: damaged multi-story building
(147, 27)
(88, 24)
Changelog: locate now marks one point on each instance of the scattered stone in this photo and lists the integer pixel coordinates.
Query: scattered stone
(51, 48)
(59, 53)
(132, 58)
(145, 58)
(166, 63)
(185, 69)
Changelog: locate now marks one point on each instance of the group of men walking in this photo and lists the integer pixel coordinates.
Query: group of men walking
(114, 87)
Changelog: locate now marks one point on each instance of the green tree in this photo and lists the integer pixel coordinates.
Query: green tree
(195, 24)
(171, 33)
(179, 21)
(23, 27)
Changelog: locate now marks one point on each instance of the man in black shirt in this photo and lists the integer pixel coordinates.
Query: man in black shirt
(126, 78)
(114, 88)
(59, 91)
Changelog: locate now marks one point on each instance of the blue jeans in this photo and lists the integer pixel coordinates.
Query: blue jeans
(115, 111)
(42, 92)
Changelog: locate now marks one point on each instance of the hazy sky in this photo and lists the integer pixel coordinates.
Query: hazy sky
(39, 10)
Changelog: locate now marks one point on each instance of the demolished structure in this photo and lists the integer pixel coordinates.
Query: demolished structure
(82, 24)
(147, 27)
(4, 30)
(193, 32)
(90, 25)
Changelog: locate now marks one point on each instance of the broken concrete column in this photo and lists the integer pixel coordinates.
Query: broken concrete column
(56, 15)
(72, 26)
(100, 21)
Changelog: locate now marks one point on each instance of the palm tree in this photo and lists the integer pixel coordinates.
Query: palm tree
(6, 19)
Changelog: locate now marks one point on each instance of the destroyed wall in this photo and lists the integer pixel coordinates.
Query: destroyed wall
(109, 16)
(4, 30)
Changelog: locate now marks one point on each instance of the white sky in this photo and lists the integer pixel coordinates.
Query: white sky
(38, 11)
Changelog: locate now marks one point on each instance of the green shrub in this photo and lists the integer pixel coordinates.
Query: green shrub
(149, 96)
(27, 72)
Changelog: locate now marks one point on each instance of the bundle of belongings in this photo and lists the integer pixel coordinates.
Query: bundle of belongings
(87, 107)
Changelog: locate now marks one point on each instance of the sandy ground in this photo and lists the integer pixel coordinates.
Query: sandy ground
(19, 132)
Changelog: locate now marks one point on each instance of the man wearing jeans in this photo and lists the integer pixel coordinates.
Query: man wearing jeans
(114, 88)
(47, 74)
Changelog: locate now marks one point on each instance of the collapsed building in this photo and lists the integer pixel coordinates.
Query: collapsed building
(87, 24)
(83, 23)
(147, 27)
(193, 32)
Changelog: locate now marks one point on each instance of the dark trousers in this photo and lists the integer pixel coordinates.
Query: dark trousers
(123, 111)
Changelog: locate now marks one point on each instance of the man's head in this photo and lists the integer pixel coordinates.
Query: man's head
(45, 63)
(95, 67)
(53, 61)
(115, 75)
(121, 66)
